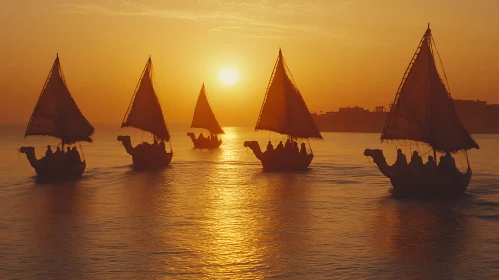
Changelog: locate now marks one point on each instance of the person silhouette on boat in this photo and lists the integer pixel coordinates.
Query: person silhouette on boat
(430, 165)
(201, 136)
(430, 162)
(296, 150)
(416, 159)
(58, 155)
(401, 159)
(287, 146)
(75, 154)
(155, 145)
(162, 145)
(48, 152)
(279, 149)
(450, 160)
(450, 163)
(443, 163)
(68, 154)
(270, 148)
(303, 150)
(280, 146)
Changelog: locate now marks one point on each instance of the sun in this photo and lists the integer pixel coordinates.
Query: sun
(228, 77)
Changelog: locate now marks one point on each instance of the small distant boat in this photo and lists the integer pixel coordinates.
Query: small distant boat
(56, 114)
(284, 111)
(145, 114)
(424, 111)
(205, 118)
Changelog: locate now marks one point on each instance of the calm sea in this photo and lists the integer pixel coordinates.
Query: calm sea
(216, 215)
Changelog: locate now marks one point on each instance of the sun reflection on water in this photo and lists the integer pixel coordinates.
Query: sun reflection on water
(231, 227)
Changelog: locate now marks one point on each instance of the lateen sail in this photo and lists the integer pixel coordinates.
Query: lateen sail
(56, 113)
(145, 111)
(284, 110)
(424, 110)
(203, 115)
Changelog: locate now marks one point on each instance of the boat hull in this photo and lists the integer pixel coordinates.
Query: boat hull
(431, 185)
(206, 144)
(143, 160)
(285, 162)
(53, 172)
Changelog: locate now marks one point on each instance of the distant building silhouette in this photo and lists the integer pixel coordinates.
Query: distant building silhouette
(476, 115)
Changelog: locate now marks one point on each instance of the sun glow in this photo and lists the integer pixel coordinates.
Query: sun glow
(228, 77)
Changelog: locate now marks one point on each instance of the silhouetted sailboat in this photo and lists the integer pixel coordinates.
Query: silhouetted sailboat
(145, 114)
(56, 114)
(424, 111)
(205, 118)
(284, 111)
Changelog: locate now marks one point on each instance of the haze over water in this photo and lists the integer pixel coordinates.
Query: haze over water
(216, 215)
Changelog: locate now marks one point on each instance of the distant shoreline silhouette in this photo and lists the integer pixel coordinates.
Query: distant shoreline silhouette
(477, 116)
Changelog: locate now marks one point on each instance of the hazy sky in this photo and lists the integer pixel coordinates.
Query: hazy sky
(340, 52)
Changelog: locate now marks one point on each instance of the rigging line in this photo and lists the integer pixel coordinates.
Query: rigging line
(467, 159)
(267, 91)
(19, 156)
(441, 63)
(431, 97)
(40, 96)
(136, 89)
(401, 86)
(291, 74)
(81, 149)
(153, 79)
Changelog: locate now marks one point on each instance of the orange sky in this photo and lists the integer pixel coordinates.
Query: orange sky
(340, 52)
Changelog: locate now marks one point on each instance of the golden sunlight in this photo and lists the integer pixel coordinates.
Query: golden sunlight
(228, 77)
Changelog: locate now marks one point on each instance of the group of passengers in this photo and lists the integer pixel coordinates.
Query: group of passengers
(290, 148)
(211, 138)
(70, 156)
(447, 162)
(154, 148)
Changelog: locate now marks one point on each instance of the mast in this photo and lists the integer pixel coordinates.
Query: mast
(431, 97)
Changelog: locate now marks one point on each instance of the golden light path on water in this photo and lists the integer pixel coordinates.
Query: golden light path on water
(231, 223)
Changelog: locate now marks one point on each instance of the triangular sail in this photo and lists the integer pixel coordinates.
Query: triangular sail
(56, 113)
(284, 110)
(145, 111)
(424, 110)
(203, 115)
